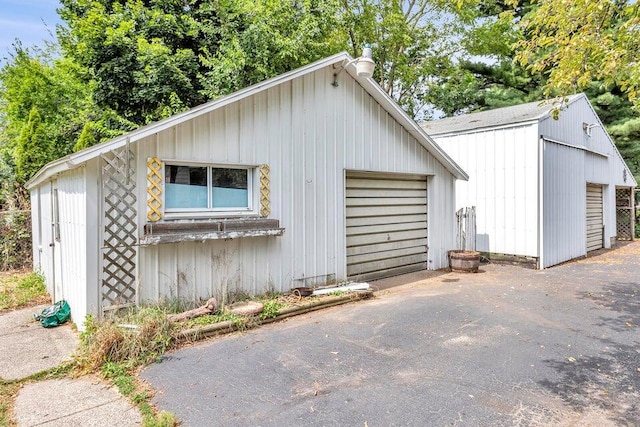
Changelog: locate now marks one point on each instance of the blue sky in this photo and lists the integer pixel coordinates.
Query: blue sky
(23, 19)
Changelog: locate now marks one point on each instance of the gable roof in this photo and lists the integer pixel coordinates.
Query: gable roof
(530, 112)
(74, 160)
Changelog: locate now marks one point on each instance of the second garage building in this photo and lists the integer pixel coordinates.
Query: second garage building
(546, 189)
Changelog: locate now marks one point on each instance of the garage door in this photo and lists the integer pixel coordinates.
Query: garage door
(595, 229)
(386, 224)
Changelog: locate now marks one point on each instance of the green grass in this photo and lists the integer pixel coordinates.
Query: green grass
(209, 319)
(7, 397)
(122, 376)
(21, 289)
(271, 309)
(337, 293)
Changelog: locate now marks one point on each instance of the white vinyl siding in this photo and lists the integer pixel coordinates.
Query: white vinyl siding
(308, 132)
(386, 219)
(71, 248)
(503, 182)
(563, 195)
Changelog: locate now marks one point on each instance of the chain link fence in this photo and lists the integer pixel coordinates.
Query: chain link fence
(15, 243)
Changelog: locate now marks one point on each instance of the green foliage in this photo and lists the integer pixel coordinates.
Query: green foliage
(19, 289)
(338, 293)
(15, 245)
(412, 44)
(210, 319)
(622, 121)
(576, 42)
(35, 81)
(32, 150)
(122, 376)
(45, 104)
(271, 309)
(139, 53)
(151, 60)
(264, 38)
(484, 76)
(87, 138)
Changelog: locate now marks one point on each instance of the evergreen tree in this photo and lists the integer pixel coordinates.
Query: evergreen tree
(32, 150)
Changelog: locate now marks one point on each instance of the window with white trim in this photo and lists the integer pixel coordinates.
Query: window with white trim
(207, 188)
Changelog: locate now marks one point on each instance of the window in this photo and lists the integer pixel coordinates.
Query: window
(206, 188)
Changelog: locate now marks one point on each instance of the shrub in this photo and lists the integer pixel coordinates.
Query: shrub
(15, 245)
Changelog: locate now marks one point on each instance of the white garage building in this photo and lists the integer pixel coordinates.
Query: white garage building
(545, 190)
(293, 181)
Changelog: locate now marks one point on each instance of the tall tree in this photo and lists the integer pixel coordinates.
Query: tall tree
(413, 44)
(44, 106)
(151, 59)
(260, 39)
(32, 149)
(143, 56)
(485, 75)
(576, 42)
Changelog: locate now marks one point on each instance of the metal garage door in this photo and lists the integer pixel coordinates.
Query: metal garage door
(595, 226)
(386, 224)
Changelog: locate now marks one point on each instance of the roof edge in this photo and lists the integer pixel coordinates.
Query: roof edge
(74, 160)
(484, 128)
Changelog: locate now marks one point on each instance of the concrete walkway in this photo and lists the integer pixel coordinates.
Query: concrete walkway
(28, 348)
(86, 401)
(33, 348)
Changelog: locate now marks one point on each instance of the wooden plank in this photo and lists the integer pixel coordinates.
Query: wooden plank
(393, 236)
(385, 211)
(389, 273)
(381, 247)
(386, 201)
(386, 264)
(370, 229)
(383, 192)
(374, 256)
(389, 219)
(386, 183)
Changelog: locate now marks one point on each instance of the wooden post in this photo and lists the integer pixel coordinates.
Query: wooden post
(632, 195)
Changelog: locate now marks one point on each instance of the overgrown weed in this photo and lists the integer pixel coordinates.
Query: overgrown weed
(105, 341)
(271, 309)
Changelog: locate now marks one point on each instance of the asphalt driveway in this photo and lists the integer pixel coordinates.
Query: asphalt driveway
(507, 346)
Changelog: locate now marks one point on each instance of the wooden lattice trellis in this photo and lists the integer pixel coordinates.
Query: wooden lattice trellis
(265, 191)
(119, 250)
(625, 219)
(154, 189)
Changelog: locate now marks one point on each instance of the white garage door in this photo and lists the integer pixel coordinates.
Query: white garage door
(386, 224)
(595, 229)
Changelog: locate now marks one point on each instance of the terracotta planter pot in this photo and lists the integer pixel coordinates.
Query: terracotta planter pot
(464, 261)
